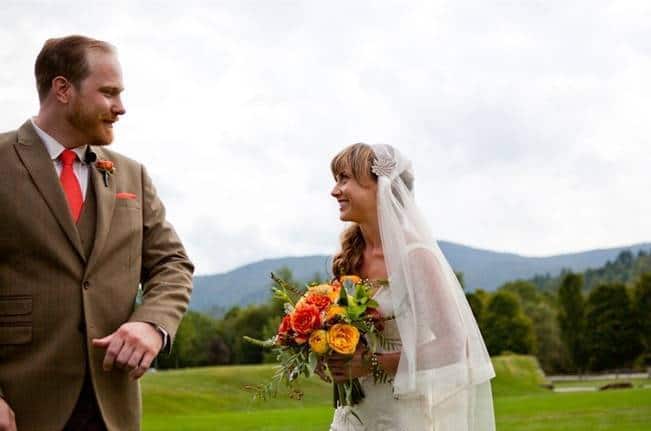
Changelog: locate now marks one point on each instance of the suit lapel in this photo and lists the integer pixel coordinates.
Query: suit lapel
(105, 198)
(34, 155)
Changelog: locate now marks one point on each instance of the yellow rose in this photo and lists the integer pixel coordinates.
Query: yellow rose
(320, 288)
(352, 278)
(318, 341)
(334, 311)
(343, 338)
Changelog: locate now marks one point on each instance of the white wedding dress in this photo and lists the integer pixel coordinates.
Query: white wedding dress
(379, 410)
(444, 372)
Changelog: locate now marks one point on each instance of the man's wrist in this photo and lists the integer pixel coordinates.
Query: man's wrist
(163, 334)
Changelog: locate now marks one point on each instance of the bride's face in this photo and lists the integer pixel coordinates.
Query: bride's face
(357, 199)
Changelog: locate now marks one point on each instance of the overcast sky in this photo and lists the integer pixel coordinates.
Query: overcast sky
(528, 121)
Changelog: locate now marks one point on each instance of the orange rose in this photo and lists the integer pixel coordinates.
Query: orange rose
(343, 338)
(305, 319)
(331, 290)
(105, 165)
(318, 300)
(283, 329)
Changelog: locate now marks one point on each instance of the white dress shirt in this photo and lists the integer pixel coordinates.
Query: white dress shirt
(54, 149)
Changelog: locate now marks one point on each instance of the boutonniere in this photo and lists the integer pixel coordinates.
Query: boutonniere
(107, 168)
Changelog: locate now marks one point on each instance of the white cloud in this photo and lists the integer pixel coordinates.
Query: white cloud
(527, 121)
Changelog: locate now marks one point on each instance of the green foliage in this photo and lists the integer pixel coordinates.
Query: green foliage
(548, 347)
(549, 323)
(626, 269)
(642, 301)
(541, 308)
(612, 337)
(477, 307)
(571, 318)
(358, 302)
(506, 328)
(259, 321)
(249, 321)
(197, 343)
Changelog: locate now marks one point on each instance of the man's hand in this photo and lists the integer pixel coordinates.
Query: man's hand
(7, 417)
(133, 346)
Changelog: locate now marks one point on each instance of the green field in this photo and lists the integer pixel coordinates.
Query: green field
(203, 399)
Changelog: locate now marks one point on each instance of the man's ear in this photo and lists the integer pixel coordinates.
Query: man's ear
(62, 89)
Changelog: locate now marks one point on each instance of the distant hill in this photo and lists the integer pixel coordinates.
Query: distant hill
(625, 269)
(483, 269)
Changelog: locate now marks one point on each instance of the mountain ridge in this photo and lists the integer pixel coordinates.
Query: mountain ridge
(482, 268)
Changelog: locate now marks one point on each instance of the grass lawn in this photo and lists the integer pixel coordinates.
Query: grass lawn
(203, 399)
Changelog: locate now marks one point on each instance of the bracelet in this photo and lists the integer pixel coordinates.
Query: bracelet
(375, 367)
(379, 375)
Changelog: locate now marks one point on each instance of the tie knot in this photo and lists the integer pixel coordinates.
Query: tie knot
(67, 157)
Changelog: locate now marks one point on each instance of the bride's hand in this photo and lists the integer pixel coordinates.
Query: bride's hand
(345, 367)
(320, 370)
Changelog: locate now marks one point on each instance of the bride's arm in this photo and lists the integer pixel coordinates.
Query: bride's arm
(440, 327)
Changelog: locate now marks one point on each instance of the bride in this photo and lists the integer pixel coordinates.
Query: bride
(440, 374)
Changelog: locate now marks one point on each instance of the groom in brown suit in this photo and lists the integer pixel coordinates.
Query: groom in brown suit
(80, 228)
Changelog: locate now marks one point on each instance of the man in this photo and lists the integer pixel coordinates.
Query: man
(81, 228)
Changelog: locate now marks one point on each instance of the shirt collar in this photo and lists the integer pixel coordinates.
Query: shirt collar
(54, 148)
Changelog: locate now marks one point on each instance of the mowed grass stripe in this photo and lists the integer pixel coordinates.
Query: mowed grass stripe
(206, 399)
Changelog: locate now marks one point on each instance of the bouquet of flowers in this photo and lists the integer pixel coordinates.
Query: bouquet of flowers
(320, 320)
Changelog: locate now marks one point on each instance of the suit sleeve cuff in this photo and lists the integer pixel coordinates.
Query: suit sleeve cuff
(166, 339)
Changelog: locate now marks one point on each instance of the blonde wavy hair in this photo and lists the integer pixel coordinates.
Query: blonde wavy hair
(359, 159)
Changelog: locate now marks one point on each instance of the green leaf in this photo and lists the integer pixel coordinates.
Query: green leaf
(313, 359)
(343, 297)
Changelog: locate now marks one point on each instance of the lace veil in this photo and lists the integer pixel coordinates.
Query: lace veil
(443, 357)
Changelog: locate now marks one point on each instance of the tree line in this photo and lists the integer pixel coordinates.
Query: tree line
(568, 330)
(572, 324)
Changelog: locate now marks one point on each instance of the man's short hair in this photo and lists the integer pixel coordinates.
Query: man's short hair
(66, 57)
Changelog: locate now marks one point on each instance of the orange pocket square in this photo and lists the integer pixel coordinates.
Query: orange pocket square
(125, 195)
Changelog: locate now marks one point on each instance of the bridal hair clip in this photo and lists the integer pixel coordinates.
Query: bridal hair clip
(383, 166)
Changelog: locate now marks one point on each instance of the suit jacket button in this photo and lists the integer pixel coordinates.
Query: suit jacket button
(86, 284)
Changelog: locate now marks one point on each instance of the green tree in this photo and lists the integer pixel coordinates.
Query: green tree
(549, 347)
(249, 321)
(506, 328)
(477, 307)
(571, 319)
(642, 303)
(612, 337)
(540, 307)
(194, 344)
(256, 321)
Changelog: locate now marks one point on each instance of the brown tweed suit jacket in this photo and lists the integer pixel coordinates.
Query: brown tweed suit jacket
(54, 300)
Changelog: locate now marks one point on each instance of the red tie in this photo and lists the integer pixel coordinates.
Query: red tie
(70, 183)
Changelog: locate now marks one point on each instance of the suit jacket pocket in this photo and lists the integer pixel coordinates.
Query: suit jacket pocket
(18, 334)
(15, 319)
